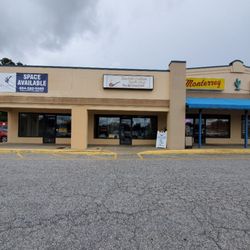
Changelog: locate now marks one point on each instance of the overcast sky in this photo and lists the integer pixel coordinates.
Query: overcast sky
(125, 33)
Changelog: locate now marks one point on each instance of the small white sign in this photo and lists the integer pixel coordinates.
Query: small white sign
(161, 140)
(128, 82)
(7, 82)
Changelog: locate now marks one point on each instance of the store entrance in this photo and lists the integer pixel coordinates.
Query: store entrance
(49, 135)
(126, 131)
(192, 129)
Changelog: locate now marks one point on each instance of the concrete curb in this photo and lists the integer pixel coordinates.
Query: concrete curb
(55, 151)
(217, 151)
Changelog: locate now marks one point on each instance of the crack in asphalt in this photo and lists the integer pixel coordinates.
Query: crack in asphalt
(131, 205)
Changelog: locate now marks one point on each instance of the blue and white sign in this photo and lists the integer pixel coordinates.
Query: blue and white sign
(24, 82)
(33, 83)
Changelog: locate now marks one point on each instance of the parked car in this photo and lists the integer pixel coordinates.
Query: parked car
(3, 132)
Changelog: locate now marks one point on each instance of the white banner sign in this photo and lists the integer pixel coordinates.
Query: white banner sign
(161, 140)
(8, 82)
(128, 82)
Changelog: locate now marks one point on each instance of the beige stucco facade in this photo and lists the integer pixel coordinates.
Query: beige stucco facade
(80, 93)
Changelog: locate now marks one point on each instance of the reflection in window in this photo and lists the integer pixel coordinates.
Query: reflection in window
(243, 129)
(30, 125)
(33, 125)
(108, 127)
(144, 127)
(63, 126)
(217, 127)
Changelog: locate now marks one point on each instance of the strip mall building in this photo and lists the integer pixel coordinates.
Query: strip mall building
(96, 106)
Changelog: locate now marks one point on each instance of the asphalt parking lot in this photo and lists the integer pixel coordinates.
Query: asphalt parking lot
(62, 201)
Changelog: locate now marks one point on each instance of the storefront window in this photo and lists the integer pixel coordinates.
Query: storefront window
(144, 127)
(217, 127)
(107, 127)
(243, 129)
(63, 126)
(213, 126)
(34, 125)
(30, 125)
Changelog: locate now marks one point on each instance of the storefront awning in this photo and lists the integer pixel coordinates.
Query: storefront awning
(217, 103)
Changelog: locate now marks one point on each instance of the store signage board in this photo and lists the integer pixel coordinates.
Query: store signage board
(205, 83)
(128, 82)
(24, 82)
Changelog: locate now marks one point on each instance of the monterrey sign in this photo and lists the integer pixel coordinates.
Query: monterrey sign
(128, 82)
(205, 83)
(24, 82)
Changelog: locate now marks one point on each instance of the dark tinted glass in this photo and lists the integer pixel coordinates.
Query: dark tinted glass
(63, 126)
(144, 127)
(30, 125)
(217, 127)
(107, 127)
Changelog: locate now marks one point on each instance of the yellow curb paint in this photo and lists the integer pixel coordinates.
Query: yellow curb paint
(196, 151)
(40, 151)
(194, 159)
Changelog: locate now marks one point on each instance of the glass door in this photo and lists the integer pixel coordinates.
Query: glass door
(125, 131)
(49, 133)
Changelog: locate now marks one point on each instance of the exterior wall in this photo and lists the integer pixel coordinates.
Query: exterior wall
(87, 83)
(229, 73)
(236, 70)
(79, 91)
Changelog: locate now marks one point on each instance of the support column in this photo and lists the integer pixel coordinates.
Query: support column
(246, 129)
(79, 128)
(12, 126)
(177, 107)
(200, 128)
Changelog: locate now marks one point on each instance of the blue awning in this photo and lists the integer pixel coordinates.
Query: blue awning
(217, 103)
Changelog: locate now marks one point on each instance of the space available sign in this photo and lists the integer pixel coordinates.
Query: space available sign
(128, 82)
(24, 82)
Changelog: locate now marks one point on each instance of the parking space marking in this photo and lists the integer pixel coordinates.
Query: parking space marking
(140, 156)
(19, 155)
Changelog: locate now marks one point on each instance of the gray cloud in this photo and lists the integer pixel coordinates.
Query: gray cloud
(131, 33)
(48, 24)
